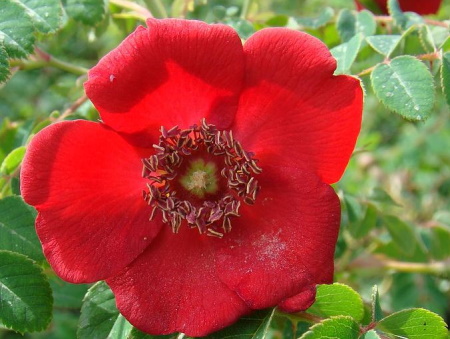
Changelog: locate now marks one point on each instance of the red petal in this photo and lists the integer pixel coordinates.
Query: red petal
(173, 73)
(85, 181)
(173, 287)
(418, 6)
(283, 244)
(299, 302)
(293, 108)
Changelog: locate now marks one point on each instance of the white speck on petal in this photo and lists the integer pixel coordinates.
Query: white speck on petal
(111, 78)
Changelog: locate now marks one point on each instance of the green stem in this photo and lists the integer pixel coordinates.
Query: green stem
(440, 269)
(428, 57)
(141, 11)
(43, 59)
(157, 8)
(376, 263)
(387, 18)
(246, 9)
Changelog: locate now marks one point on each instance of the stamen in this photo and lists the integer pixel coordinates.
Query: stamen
(212, 218)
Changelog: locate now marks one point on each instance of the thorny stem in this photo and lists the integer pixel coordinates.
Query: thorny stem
(142, 12)
(42, 59)
(428, 57)
(72, 108)
(387, 18)
(439, 269)
(245, 9)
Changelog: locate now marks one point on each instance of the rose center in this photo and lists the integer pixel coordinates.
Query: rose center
(199, 177)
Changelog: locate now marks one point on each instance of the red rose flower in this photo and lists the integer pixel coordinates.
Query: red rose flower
(241, 213)
(419, 6)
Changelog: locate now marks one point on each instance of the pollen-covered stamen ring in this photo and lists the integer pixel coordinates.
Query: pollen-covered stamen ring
(174, 147)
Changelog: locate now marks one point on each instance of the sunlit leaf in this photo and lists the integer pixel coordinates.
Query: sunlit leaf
(45, 14)
(405, 86)
(346, 53)
(12, 161)
(334, 328)
(17, 231)
(383, 44)
(121, 328)
(26, 297)
(337, 299)
(416, 323)
(16, 30)
(370, 335)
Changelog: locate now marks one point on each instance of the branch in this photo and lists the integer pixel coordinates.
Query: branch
(42, 59)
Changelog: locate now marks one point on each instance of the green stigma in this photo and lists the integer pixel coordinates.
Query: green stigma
(200, 178)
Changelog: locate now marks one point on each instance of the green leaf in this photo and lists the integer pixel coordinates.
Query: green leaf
(346, 24)
(402, 234)
(405, 86)
(314, 23)
(346, 53)
(136, 334)
(98, 313)
(415, 323)
(426, 38)
(384, 44)
(46, 15)
(440, 240)
(445, 76)
(370, 335)
(400, 19)
(12, 161)
(354, 209)
(349, 24)
(17, 231)
(89, 12)
(365, 23)
(277, 21)
(371, 5)
(254, 326)
(4, 65)
(16, 30)
(337, 299)
(121, 328)
(67, 295)
(334, 328)
(243, 27)
(26, 297)
(380, 195)
(361, 229)
(377, 313)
